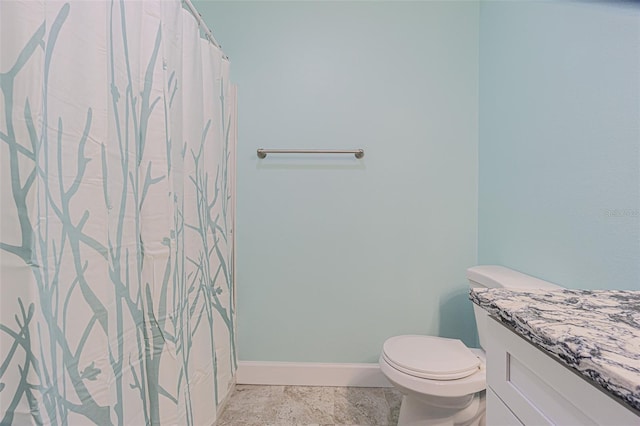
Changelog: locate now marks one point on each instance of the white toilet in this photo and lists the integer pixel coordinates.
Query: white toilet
(442, 380)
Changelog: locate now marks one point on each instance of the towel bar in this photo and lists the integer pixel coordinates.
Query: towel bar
(262, 153)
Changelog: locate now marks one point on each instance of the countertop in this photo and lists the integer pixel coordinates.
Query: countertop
(595, 332)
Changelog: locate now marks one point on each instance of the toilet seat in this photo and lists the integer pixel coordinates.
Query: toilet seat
(430, 357)
(470, 384)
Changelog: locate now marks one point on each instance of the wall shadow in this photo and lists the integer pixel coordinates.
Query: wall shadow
(457, 320)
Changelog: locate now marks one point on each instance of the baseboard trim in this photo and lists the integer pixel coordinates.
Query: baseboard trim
(310, 374)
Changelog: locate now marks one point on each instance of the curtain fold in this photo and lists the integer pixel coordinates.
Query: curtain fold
(117, 151)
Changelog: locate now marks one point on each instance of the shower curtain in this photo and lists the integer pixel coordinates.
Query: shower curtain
(117, 146)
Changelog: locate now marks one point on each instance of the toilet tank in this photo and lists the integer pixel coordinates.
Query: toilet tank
(493, 276)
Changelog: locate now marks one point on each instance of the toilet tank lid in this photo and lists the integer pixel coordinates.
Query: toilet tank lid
(494, 276)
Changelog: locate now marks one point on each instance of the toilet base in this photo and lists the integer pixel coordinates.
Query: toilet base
(418, 412)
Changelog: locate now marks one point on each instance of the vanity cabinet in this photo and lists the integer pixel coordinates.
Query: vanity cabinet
(525, 386)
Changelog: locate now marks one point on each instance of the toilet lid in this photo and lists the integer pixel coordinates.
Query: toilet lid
(429, 357)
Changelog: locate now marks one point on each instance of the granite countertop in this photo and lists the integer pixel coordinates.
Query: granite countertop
(595, 332)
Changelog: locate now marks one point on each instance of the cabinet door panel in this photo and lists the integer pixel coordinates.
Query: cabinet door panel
(497, 413)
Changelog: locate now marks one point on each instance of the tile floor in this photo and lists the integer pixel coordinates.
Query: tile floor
(251, 405)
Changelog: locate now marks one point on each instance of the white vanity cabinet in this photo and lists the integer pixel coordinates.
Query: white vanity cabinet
(525, 386)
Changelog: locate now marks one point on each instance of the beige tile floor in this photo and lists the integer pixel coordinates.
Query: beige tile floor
(251, 405)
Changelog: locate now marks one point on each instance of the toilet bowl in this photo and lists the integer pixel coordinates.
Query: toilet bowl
(443, 382)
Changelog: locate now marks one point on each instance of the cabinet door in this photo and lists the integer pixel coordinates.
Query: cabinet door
(497, 413)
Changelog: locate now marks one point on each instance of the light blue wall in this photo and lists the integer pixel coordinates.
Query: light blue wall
(334, 254)
(559, 141)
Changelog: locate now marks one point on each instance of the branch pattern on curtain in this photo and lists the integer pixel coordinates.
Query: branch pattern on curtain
(117, 150)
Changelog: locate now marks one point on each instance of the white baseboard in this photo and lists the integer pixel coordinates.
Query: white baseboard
(310, 374)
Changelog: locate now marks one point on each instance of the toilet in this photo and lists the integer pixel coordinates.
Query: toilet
(443, 381)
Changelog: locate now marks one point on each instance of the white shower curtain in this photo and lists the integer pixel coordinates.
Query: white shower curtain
(117, 151)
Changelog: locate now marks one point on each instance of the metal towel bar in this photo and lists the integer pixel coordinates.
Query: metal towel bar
(262, 153)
